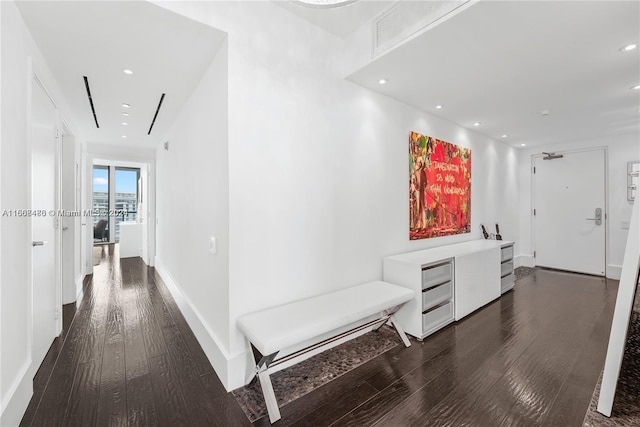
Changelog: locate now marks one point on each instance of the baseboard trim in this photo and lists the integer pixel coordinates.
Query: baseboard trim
(229, 368)
(614, 271)
(15, 403)
(524, 261)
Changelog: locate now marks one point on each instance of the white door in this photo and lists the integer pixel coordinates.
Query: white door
(569, 196)
(43, 199)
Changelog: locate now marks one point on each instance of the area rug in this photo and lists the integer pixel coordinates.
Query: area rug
(298, 380)
(626, 405)
(521, 272)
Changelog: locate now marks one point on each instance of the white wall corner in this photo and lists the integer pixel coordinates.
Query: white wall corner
(226, 366)
(614, 271)
(524, 261)
(15, 403)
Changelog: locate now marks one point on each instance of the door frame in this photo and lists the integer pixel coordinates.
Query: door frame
(34, 76)
(72, 254)
(605, 151)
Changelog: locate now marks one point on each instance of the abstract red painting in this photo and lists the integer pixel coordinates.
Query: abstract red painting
(439, 188)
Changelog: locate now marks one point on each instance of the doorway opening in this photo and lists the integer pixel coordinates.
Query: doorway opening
(120, 198)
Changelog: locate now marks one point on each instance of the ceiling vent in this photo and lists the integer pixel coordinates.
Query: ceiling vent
(156, 114)
(93, 110)
(406, 19)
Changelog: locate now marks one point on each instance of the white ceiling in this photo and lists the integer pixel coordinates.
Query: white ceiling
(502, 62)
(497, 62)
(98, 39)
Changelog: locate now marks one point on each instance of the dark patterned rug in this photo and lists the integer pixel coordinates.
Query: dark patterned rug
(626, 405)
(521, 272)
(298, 380)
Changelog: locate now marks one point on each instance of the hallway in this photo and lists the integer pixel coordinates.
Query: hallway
(129, 358)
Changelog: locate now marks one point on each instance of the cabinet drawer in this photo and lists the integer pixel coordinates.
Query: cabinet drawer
(506, 253)
(506, 283)
(506, 268)
(435, 275)
(436, 295)
(436, 317)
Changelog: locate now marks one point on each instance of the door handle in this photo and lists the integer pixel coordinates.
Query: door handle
(598, 218)
(38, 243)
(65, 228)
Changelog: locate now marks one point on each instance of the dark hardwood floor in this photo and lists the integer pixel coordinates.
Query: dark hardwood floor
(531, 358)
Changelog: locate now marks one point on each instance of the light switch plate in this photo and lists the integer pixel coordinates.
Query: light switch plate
(213, 245)
(625, 224)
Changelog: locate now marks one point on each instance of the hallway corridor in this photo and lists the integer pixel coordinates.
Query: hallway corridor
(129, 358)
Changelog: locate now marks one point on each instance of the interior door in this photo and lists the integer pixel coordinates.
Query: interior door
(43, 199)
(570, 212)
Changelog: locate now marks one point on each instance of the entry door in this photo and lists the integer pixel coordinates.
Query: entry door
(43, 198)
(569, 196)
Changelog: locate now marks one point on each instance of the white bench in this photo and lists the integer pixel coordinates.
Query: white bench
(275, 329)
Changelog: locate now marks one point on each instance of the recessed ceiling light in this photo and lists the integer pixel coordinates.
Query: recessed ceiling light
(125, 114)
(439, 107)
(628, 47)
(125, 124)
(504, 135)
(124, 136)
(477, 124)
(382, 81)
(636, 87)
(126, 105)
(127, 71)
(523, 145)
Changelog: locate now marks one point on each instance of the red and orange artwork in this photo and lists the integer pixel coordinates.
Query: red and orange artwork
(439, 188)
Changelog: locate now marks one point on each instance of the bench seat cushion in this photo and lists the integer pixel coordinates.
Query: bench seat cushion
(277, 328)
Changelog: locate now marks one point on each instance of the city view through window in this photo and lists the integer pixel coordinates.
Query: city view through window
(125, 202)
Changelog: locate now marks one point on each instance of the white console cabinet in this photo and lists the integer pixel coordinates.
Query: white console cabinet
(449, 281)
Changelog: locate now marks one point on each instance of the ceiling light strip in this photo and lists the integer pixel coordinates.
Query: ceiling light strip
(93, 110)
(156, 115)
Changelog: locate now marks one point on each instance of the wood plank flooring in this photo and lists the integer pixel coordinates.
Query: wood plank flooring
(531, 358)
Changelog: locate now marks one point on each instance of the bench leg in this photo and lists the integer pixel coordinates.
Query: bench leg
(269, 395)
(403, 336)
(262, 371)
(380, 325)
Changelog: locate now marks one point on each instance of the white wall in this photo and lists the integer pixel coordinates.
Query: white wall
(18, 51)
(318, 167)
(192, 203)
(620, 150)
